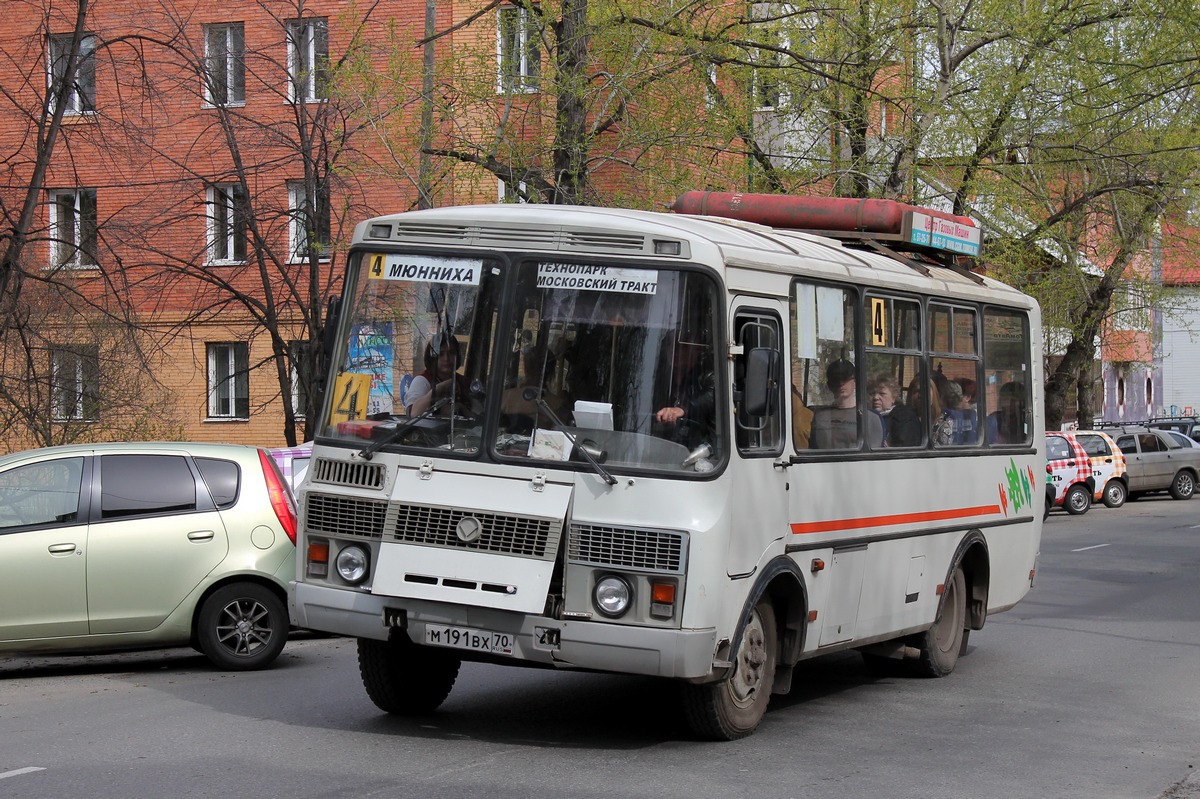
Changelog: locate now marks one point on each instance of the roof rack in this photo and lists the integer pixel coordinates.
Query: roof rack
(900, 231)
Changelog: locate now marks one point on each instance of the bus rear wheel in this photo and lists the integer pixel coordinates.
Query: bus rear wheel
(405, 679)
(941, 644)
(732, 708)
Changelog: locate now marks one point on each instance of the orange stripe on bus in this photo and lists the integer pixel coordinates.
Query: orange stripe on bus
(801, 528)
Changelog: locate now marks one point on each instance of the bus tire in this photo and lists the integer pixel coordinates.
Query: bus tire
(1183, 486)
(1114, 494)
(405, 679)
(732, 708)
(1077, 499)
(942, 643)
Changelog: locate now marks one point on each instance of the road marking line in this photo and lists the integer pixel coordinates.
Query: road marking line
(18, 772)
(1085, 549)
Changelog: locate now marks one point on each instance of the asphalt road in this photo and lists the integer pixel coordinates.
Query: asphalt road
(1088, 688)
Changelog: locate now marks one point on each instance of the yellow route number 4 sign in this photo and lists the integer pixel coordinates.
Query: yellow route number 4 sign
(879, 322)
(351, 391)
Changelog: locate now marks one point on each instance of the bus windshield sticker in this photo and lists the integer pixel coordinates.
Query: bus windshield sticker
(589, 277)
(425, 269)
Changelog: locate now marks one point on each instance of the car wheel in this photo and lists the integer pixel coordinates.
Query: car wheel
(242, 627)
(1183, 486)
(405, 679)
(1077, 500)
(1114, 494)
(733, 707)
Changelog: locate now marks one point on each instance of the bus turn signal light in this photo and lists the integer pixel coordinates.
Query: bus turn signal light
(318, 558)
(662, 600)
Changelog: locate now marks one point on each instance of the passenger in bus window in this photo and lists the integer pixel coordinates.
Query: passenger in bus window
(902, 427)
(1006, 424)
(836, 426)
(443, 357)
(957, 424)
(918, 390)
(802, 419)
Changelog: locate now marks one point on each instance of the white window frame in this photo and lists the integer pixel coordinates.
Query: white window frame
(308, 59)
(226, 227)
(225, 63)
(228, 379)
(298, 243)
(75, 383)
(82, 97)
(73, 240)
(527, 61)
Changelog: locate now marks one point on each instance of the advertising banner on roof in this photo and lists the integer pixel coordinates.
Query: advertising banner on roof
(942, 234)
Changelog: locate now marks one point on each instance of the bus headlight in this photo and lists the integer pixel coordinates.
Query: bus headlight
(352, 564)
(612, 596)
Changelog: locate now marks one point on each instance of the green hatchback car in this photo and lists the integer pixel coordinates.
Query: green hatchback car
(146, 545)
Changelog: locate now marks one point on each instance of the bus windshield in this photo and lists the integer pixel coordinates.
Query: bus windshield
(531, 359)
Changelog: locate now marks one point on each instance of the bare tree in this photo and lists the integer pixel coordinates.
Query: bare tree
(65, 299)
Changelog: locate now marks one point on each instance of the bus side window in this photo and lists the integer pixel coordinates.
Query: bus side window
(757, 384)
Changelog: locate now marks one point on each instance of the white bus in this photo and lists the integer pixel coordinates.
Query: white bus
(670, 444)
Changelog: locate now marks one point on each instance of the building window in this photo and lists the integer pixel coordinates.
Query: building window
(308, 59)
(73, 227)
(80, 96)
(517, 50)
(511, 192)
(299, 352)
(224, 64)
(75, 382)
(309, 228)
(227, 207)
(228, 381)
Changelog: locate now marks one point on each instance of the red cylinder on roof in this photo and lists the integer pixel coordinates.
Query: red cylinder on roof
(806, 213)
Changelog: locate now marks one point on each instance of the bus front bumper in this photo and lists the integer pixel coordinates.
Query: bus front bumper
(602, 646)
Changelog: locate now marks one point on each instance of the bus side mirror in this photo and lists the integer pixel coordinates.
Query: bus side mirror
(762, 376)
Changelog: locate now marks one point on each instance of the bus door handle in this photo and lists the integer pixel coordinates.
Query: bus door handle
(782, 464)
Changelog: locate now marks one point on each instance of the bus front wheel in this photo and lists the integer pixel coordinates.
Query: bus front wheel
(941, 644)
(405, 679)
(732, 708)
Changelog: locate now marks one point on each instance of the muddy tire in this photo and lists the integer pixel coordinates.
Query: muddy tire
(732, 708)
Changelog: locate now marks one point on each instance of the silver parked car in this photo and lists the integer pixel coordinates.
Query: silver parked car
(135, 546)
(1155, 462)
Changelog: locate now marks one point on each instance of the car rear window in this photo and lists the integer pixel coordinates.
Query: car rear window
(223, 479)
(1094, 446)
(139, 484)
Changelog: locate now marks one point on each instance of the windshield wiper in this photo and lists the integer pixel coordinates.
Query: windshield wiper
(400, 429)
(533, 395)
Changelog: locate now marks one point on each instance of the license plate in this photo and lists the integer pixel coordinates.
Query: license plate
(466, 638)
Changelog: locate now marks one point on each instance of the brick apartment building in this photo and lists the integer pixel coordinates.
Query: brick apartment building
(190, 224)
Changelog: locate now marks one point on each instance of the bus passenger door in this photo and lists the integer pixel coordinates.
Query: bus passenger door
(759, 482)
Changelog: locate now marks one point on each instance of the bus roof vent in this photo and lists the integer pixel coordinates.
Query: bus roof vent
(530, 237)
(598, 240)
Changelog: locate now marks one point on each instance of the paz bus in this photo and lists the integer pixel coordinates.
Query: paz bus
(702, 445)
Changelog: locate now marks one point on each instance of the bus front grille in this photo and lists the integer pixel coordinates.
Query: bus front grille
(627, 547)
(499, 533)
(344, 516)
(343, 473)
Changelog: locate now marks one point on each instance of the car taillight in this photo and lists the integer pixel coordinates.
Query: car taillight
(281, 498)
